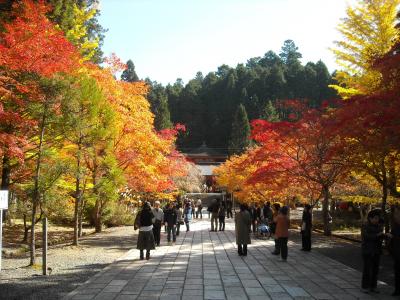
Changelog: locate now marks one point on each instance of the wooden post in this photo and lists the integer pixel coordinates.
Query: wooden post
(44, 258)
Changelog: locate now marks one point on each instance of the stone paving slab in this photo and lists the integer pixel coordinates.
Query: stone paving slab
(205, 265)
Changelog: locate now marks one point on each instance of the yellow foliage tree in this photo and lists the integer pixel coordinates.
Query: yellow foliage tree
(234, 175)
(368, 33)
(78, 34)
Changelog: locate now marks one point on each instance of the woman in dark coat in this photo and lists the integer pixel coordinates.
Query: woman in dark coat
(306, 227)
(395, 248)
(242, 228)
(372, 236)
(144, 221)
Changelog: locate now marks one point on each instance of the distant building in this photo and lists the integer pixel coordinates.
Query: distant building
(206, 160)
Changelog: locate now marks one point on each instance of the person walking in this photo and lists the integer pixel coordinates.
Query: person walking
(253, 213)
(144, 221)
(199, 208)
(306, 226)
(242, 229)
(371, 244)
(188, 215)
(282, 231)
(180, 221)
(267, 212)
(159, 219)
(229, 205)
(221, 216)
(170, 219)
(395, 248)
(193, 206)
(214, 216)
(164, 210)
(276, 208)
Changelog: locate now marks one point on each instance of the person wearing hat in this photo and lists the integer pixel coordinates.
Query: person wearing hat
(159, 218)
(371, 245)
(306, 226)
(144, 221)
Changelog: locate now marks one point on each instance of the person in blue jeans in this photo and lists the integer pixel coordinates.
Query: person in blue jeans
(187, 215)
(170, 219)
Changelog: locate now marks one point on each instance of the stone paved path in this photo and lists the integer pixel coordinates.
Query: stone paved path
(205, 265)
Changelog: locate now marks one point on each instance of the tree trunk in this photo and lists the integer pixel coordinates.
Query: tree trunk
(5, 174)
(81, 209)
(99, 212)
(97, 219)
(26, 231)
(98, 206)
(27, 228)
(78, 194)
(11, 209)
(76, 223)
(36, 196)
(325, 212)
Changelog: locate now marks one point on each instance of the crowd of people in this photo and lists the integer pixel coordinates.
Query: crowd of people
(253, 218)
(150, 221)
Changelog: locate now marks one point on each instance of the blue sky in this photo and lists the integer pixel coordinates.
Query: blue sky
(167, 39)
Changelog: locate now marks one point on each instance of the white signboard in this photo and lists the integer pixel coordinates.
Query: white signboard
(3, 199)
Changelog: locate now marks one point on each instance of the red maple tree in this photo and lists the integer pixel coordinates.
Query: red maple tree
(306, 151)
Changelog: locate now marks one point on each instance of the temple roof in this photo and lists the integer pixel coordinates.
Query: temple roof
(203, 150)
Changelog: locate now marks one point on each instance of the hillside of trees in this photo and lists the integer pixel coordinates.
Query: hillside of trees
(207, 104)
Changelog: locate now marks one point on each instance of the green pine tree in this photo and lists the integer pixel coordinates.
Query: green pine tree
(129, 74)
(240, 135)
(270, 114)
(162, 119)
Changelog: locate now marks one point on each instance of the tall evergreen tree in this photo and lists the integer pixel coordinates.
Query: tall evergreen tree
(129, 74)
(240, 135)
(270, 113)
(158, 98)
(289, 53)
(294, 71)
(162, 119)
(207, 104)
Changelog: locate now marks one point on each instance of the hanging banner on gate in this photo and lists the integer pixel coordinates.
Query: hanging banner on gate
(3, 199)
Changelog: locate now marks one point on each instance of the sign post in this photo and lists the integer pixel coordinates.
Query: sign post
(3, 205)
